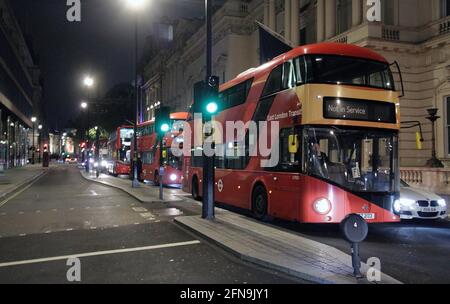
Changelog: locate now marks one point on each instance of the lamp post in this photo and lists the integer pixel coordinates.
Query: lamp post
(434, 162)
(84, 107)
(136, 5)
(39, 143)
(89, 83)
(33, 120)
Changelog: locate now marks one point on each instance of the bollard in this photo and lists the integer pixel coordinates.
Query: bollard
(355, 230)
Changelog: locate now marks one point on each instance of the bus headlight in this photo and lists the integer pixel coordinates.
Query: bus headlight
(91, 160)
(322, 206)
(173, 177)
(442, 203)
(95, 164)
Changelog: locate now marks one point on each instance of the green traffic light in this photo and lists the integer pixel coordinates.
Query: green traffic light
(212, 107)
(165, 127)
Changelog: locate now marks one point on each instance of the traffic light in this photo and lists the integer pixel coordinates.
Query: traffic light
(206, 98)
(162, 121)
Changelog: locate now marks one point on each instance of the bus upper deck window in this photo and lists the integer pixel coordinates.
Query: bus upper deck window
(300, 70)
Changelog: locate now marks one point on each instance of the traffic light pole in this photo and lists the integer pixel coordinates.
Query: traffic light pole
(208, 161)
(161, 168)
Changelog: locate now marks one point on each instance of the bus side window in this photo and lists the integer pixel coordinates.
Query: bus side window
(289, 78)
(274, 82)
(300, 70)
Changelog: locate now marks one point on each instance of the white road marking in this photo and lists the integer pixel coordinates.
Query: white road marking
(116, 226)
(72, 209)
(21, 212)
(137, 223)
(97, 253)
(3, 214)
(93, 228)
(147, 215)
(38, 211)
(55, 210)
(48, 231)
(139, 209)
(70, 229)
(23, 234)
(20, 191)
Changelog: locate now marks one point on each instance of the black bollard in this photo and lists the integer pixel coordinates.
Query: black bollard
(355, 230)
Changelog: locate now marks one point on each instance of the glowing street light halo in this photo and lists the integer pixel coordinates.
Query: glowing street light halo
(136, 4)
(84, 105)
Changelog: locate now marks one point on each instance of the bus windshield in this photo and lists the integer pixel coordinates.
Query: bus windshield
(358, 160)
(345, 70)
(174, 161)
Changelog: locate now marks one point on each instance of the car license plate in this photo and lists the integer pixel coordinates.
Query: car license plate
(367, 216)
(428, 209)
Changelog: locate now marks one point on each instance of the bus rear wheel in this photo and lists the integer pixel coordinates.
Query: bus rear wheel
(259, 202)
(195, 191)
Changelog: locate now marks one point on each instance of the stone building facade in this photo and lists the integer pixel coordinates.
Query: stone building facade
(415, 33)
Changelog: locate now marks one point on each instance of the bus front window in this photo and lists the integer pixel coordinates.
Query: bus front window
(331, 69)
(174, 161)
(357, 160)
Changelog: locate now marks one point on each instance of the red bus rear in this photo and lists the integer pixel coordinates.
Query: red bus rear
(119, 151)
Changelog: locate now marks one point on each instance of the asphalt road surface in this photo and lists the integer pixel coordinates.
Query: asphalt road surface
(119, 240)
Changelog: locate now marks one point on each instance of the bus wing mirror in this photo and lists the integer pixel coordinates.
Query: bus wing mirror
(401, 77)
(293, 144)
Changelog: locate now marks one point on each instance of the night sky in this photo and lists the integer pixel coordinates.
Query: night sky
(102, 44)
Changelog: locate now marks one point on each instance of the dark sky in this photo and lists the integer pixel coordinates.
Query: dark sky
(102, 44)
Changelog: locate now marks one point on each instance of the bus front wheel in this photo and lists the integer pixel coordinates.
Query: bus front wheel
(195, 191)
(259, 202)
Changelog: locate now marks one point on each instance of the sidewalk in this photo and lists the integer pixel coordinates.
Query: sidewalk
(144, 194)
(278, 249)
(252, 241)
(13, 179)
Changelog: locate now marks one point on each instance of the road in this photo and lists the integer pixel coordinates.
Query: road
(63, 215)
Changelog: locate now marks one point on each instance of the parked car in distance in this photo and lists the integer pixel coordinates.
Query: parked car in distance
(416, 203)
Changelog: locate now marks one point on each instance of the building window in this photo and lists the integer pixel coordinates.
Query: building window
(344, 15)
(447, 104)
(388, 11)
(445, 8)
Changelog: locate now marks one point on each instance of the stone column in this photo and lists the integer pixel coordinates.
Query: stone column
(295, 27)
(330, 19)
(320, 20)
(356, 12)
(266, 12)
(272, 21)
(287, 20)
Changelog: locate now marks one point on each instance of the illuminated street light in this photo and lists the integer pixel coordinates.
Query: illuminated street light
(88, 81)
(136, 4)
(40, 127)
(33, 119)
(84, 105)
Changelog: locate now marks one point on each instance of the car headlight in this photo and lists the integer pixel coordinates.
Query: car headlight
(173, 177)
(95, 164)
(397, 206)
(442, 203)
(91, 161)
(322, 206)
(404, 202)
(104, 163)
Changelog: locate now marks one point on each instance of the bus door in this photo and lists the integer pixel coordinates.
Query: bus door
(285, 180)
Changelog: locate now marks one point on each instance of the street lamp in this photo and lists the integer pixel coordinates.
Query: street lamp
(39, 143)
(135, 5)
(84, 105)
(33, 120)
(88, 81)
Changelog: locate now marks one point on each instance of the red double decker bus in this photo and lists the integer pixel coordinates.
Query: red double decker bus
(338, 116)
(119, 151)
(149, 151)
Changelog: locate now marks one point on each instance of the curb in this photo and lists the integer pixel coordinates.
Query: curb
(257, 262)
(296, 273)
(123, 190)
(25, 183)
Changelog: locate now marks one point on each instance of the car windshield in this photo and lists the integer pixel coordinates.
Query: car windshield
(346, 70)
(358, 160)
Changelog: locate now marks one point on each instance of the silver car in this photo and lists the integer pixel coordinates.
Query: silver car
(419, 204)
